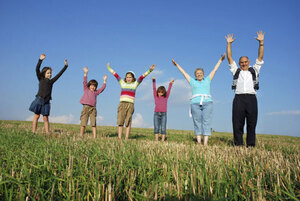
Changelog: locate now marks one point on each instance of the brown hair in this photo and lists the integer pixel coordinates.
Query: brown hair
(163, 90)
(133, 78)
(93, 82)
(43, 72)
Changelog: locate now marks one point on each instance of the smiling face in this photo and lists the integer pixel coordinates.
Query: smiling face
(92, 87)
(199, 74)
(244, 63)
(129, 78)
(160, 93)
(48, 74)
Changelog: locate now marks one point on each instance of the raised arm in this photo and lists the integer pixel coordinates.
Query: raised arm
(154, 87)
(113, 72)
(213, 72)
(104, 79)
(187, 76)
(38, 66)
(61, 72)
(151, 68)
(170, 87)
(85, 71)
(103, 85)
(260, 37)
(230, 40)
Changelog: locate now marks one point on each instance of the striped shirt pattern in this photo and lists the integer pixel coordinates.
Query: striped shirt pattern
(128, 89)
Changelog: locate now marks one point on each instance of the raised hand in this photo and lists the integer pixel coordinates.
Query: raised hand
(152, 67)
(222, 57)
(66, 62)
(172, 80)
(43, 56)
(85, 70)
(260, 36)
(229, 38)
(187, 76)
(175, 64)
(108, 65)
(104, 78)
(153, 78)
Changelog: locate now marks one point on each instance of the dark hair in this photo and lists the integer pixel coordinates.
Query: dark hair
(43, 72)
(133, 78)
(163, 90)
(92, 82)
(242, 57)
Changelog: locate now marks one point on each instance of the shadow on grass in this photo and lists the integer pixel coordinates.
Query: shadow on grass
(138, 136)
(228, 142)
(112, 135)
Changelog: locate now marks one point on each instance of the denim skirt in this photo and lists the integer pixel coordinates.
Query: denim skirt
(39, 106)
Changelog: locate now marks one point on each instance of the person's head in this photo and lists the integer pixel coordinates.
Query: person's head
(129, 77)
(46, 72)
(199, 73)
(244, 62)
(161, 91)
(92, 85)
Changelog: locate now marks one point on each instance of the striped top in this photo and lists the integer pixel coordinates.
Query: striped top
(128, 89)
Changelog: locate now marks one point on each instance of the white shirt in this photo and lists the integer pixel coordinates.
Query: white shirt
(244, 83)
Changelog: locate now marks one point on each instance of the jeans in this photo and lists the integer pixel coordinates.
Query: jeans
(160, 122)
(202, 117)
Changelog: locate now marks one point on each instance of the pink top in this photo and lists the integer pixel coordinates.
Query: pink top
(161, 102)
(90, 97)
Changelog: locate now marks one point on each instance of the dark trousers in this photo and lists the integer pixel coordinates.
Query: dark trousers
(244, 107)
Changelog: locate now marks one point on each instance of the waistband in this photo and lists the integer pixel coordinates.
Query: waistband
(245, 94)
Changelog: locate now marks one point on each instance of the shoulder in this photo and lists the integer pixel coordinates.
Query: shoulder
(192, 81)
(207, 79)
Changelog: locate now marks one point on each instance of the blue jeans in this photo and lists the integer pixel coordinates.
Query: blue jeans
(202, 117)
(160, 122)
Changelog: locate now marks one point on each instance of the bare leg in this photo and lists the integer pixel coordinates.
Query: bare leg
(46, 123)
(82, 129)
(205, 140)
(163, 138)
(35, 122)
(127, 132)
(94, 129)
(120, 132)
(156, 136)
(199, 139)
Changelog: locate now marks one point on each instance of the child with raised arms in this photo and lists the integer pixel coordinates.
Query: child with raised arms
(41, 104)
(89, 101)
(126, 106)
(160, 112)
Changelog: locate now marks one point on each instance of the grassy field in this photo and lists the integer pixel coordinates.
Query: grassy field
(63, 166)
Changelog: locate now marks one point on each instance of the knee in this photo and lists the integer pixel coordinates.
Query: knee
(45, 118)
(36, 116)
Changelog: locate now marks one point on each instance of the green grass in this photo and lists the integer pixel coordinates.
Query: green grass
(63, 166)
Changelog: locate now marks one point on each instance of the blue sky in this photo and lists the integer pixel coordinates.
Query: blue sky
(132, 35)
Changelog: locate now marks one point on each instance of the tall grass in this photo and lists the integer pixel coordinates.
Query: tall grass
(63, 166)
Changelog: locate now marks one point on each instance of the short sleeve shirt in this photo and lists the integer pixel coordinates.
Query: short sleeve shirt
(202, 87)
